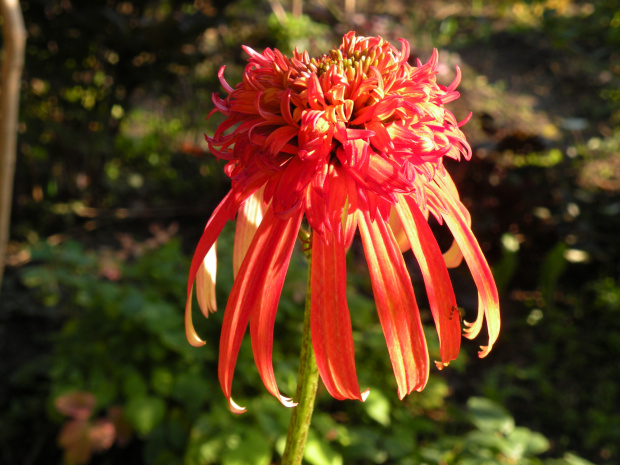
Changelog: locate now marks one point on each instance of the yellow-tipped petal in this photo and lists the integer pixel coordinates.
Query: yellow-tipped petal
(234, 408)
(248, 219)
(205, 283)
(190, 332)
(453, 256)
(287, 402)
(399, 232)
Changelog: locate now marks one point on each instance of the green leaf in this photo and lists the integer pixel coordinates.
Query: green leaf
(145, 413)
(486, 415)
(524, 442)
(162, 380)
(568, 459)
(134, 384)
(190, 389)
(378, 407)
(477, 441)
(251, 449)
(319, 452)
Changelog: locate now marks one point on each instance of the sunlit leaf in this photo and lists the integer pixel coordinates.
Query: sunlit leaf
(378, 407)
(489, 416)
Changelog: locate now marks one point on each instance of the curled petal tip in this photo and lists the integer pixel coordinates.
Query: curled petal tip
(469, 326)
(287, 402)
(441, 365)
(194, 340)
(365, 395)
(484, 351)
(470, 330)
(190, 332)
(466, 120)
(234, 408)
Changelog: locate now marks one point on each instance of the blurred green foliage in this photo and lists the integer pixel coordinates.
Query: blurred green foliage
(124, 342)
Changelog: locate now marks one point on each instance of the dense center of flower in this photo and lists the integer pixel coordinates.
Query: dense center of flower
(356, 60)
(361, 109)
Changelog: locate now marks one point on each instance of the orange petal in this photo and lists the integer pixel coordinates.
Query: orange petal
(436, 279)
(488, 300)
(399, 232)
(453, 256)
(396, 305)
(213, 229)
(332, 336)
(205, 283)
(220, 216)
(255, 293)
(249, 217)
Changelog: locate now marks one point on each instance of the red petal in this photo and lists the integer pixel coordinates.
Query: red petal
(399, 232)
(255, 293)
(332, 336)
(396, 305)
(294, 180)
(488, 300)
(225, 85)
(205, 282)
(436, 279)
(249, 217)
(453, 256)
(212, 230)
(224, 212)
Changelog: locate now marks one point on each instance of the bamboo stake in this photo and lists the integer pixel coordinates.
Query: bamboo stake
(14, 35)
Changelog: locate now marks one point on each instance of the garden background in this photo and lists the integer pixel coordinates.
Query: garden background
(114, 184)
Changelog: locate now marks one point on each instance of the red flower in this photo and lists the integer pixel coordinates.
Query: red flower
(346, 140)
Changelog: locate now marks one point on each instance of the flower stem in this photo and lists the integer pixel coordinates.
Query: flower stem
(307, 382)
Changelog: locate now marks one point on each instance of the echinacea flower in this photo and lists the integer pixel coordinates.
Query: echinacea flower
(351, 140)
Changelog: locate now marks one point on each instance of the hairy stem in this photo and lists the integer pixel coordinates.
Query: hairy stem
(307, 382)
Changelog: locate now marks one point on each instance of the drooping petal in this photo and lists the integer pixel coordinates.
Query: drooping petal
(453, 256)
(436, 279)
(255, 294)
(213, 229)
(399, 232)
(396, 305)
(488, 300)
(249, 217)
(222, 213)
(332, 337)
(205, 283)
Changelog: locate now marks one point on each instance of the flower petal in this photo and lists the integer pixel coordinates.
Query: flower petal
(249, 217)
(332, 336)
(220, 216)
(213, 229)
(436, 279)
(205, 283)
(488, 300)
(255, 293)
(453, 256)
(399, 231)
(396, 305)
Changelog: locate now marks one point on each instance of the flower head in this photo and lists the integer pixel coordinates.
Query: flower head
(351, 140)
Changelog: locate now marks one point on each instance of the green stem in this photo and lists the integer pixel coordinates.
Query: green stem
(307, 382)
